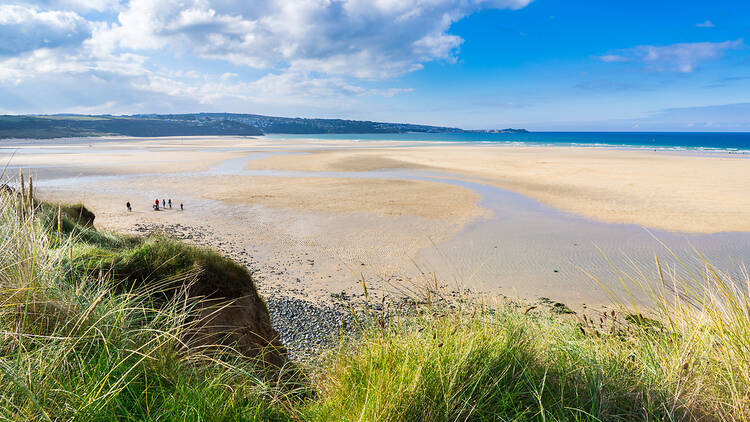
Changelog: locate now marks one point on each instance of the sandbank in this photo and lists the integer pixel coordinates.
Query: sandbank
(664, 190)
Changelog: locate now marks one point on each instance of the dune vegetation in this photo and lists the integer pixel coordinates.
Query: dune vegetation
(93, 327)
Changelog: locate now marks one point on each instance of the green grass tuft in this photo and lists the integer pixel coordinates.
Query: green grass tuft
(157, 259)
(498, 367)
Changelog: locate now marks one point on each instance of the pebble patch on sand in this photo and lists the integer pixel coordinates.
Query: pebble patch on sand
(306, 328)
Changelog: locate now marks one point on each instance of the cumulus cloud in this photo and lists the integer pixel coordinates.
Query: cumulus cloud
(124, 83)
(682, 57)
(26, 28)
(706, 24)
(360, 38)
(306, 53)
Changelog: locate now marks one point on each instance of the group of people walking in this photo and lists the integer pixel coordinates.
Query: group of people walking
(164, 204)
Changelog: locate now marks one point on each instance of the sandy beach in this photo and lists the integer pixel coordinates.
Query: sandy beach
(312, 217)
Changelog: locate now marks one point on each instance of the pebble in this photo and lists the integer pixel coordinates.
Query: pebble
(306, 328)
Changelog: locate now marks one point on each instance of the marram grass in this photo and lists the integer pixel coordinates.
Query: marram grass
(74, 349)
(80, 351)
(511, 366)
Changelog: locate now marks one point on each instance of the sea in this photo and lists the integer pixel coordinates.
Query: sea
(702, 141)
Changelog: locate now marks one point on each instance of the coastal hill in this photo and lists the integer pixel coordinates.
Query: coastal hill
(272, 124)
(64, 126)
(141, 125)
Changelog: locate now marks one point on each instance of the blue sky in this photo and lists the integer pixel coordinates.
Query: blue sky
(542, 64)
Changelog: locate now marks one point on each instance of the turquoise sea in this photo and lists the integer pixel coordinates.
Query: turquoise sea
(731, 141)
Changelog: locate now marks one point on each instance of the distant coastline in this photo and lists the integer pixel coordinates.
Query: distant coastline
(197, 124)
(231, 124)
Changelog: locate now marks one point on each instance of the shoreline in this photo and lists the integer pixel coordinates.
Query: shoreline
(709, 150)
(370, 137)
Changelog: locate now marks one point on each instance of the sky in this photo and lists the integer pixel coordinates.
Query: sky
(606, 65)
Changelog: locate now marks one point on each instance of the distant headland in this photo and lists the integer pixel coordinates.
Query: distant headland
(196, 124)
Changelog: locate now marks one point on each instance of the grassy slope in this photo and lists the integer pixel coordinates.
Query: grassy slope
(43, 127)
(74, 348)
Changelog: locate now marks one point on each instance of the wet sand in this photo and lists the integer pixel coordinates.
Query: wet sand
(314, 217)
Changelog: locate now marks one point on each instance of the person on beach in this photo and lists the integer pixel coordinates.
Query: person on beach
(170, 204)
(127, 204)
(181, 209)
(163, 203)
(156, 205)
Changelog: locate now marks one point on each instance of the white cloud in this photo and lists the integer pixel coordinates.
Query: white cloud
(312, 54)
(123, 83)
(706, 24)
(682, 57)
(359, 38)
(26, 28)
